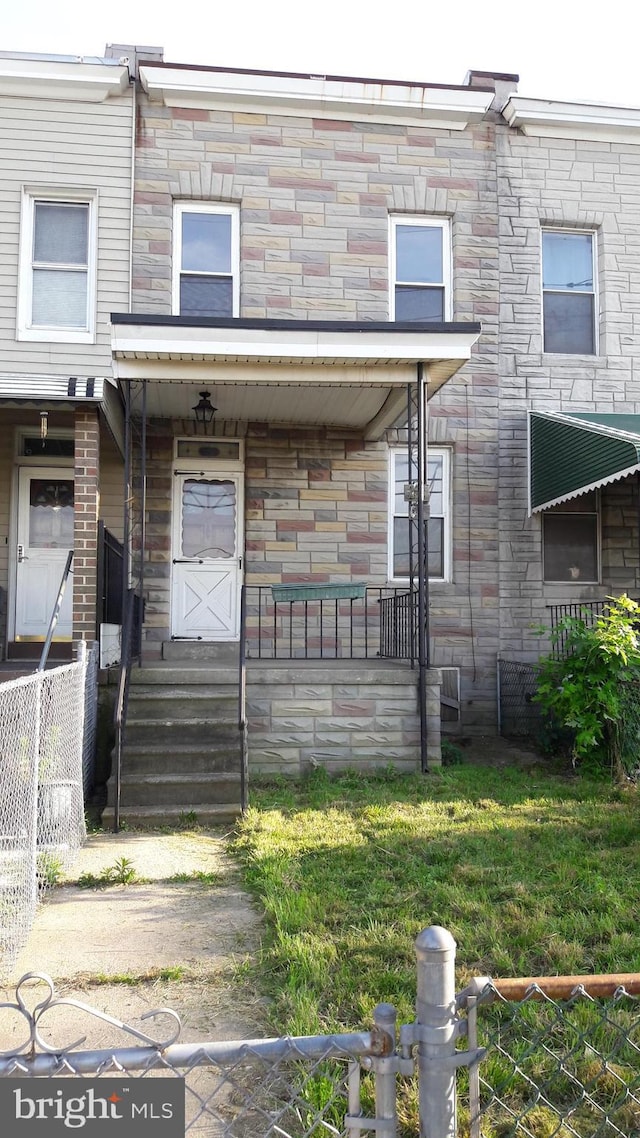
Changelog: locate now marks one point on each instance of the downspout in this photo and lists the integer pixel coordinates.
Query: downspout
(134, 120)
(423, 573)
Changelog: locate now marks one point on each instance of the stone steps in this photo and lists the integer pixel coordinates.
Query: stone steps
(181, 751)
(162, 758)
(206, 814)
(188, 791)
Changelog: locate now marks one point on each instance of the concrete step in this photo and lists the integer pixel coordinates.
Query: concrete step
(207, 814)
(149, 757)
(186, 790)
(185, 702)
(173, 674)
(175, 731)
(224, 653)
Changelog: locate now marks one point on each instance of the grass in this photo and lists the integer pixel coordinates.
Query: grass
(533, 875)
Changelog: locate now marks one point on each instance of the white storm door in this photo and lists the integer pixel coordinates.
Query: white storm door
(44, 538)
(206, 557)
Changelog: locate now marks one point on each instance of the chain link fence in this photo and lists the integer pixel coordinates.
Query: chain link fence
(536, 1058)
(42, 756)
(568, 1066)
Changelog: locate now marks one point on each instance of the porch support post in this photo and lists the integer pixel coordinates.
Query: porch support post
(143, 517)
(85, 523)
(638, 522)
(126, 544)
(423, 572)
(411, 425)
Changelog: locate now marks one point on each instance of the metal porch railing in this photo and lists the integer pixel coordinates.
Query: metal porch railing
(380, 622)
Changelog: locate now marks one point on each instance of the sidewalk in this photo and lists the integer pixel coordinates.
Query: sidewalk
(128, 949)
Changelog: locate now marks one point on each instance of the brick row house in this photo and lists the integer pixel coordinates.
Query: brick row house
(328, 400)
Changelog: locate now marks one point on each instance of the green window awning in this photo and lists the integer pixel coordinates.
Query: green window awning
(571, 453)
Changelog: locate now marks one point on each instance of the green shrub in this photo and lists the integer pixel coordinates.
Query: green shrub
(586, 689)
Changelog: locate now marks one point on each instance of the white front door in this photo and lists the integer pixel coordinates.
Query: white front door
(207, 562)
(44, 538)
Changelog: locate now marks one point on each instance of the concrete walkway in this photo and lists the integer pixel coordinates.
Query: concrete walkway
(171, 940)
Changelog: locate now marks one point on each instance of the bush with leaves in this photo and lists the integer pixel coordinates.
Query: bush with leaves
(584, 683)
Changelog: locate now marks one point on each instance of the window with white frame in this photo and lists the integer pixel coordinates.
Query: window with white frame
(206, 260)
(57, 268)
(439, 514)
(420, 269)
(569, 291)
(571, 540)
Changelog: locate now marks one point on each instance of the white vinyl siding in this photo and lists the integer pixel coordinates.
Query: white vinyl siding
(55, 149)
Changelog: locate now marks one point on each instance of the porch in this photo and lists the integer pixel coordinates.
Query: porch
(257, 517)
(60, 467)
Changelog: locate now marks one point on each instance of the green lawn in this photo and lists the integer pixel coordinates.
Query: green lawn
(532, 874)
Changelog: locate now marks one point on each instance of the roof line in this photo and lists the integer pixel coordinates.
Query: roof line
(165, 65)
(389, 327)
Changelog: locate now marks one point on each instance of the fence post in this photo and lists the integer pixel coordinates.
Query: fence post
(384, 1017)
(436, 1032)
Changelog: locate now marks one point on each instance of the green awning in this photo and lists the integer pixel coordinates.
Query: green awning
(571, 453)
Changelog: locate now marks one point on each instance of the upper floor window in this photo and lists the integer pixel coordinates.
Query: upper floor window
(568, 291)
(57, 269)
(206, 260)
(420, 269)
(439, 514)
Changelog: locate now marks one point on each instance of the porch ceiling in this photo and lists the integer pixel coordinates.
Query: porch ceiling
(287, 371)
(283, 403)
(575, 452)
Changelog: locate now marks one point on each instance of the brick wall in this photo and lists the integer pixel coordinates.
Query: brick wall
(85, 525)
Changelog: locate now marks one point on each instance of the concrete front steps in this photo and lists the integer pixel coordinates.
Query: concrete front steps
(182, 753)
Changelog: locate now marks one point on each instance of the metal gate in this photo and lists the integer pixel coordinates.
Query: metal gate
(561, 1058)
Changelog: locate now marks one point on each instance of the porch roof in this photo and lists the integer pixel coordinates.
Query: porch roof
(340, 373)
(571, 453)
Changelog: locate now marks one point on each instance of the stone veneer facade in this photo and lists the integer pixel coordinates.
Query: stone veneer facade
(315, 198)
(579, 184)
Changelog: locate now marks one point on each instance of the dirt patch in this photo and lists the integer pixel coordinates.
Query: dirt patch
(496, 751)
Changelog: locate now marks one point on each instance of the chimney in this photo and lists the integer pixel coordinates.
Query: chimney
(503, 83)
(134, 54)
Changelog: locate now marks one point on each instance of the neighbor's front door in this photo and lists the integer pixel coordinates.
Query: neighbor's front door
(207, 564)
(44, 538)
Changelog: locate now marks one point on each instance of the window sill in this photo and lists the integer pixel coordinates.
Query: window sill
(400, 583)
(55, 336)
(573, 584)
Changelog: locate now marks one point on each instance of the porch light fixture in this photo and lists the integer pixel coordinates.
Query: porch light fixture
(204, 409)
(44, 426)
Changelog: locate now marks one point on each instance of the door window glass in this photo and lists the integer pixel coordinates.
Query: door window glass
(208, 518)
(50, 514)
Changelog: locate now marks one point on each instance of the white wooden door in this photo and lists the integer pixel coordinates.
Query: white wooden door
(44, 538)
(207, 564)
